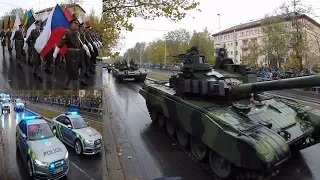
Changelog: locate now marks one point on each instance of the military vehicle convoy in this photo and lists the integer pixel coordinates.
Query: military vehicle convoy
(123, 70)
(224, 117)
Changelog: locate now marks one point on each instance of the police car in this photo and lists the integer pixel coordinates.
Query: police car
(73, 130)
(5, 106)
(18, 105)
(44, 154)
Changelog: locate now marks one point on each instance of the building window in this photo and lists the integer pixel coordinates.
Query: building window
(236, 35)
(231, 44)
(237, 53)
(231, 35)
(228, 36)
(224, 37)
(251, 32)
(242, 33)
(231, 52)
(247, 33)
(236, 43)
(256, 31)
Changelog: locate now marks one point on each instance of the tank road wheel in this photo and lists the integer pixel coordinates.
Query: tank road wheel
(171, 126)
(161, 120)
(199, 150)
(223, 168)
(183, 137)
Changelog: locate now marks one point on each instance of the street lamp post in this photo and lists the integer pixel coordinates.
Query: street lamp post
(219, 30)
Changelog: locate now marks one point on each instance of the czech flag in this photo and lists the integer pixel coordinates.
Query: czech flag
(57, 24)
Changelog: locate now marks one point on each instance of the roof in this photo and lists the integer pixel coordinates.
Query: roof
(258, 23)
(62, 6)
(36, 121)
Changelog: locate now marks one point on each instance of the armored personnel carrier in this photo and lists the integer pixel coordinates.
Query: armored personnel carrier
(123, 71)
(224, 117)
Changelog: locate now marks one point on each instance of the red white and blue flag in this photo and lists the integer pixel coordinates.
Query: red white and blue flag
(56, 25)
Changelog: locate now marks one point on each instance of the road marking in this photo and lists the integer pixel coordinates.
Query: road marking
(81, 170)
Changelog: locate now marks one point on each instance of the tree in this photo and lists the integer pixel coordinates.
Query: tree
(253, 54)
(116, 14)
(298, 43)
(275, 38)
(156, 51)
(204, 43)
(177, 42)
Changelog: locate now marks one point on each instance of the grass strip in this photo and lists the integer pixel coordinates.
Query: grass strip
(158, 76)
(53, 113)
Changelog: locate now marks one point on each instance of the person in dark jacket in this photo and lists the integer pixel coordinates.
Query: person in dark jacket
(73, 54)
(19, 42)
(36, 61)
(221, 56)
(8, 35)
(3, 39)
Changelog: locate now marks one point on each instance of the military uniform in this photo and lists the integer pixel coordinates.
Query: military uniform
(36, 60)
(73, 54)
(19, 42)
(91, 59)
(3, 39)
(49, 59)
(9, 34)
(82, 57)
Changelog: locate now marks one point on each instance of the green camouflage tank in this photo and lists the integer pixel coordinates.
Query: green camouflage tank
(123, 70)
(224, 117)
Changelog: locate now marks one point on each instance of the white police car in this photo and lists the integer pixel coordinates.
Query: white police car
(18, 105)
(44, 154)
(5, 106)
(74, 130)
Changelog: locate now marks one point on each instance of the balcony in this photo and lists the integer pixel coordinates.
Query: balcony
(244, 46)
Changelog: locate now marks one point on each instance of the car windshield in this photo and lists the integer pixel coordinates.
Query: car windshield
(5, 101)
(79, 123)
(18, 101)
(39, 131)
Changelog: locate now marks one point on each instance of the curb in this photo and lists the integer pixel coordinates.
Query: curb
(3, 174)
(151, 79)
(111, 162)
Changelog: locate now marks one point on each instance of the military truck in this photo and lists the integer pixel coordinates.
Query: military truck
(224, 117)
(122, 71)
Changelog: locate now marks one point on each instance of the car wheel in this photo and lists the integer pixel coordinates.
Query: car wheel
(78, 147)
(30, 169)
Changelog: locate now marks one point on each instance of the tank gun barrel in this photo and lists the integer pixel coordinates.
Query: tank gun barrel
(299, 82)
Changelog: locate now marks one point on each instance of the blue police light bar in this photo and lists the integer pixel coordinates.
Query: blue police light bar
(71, 113)
(32, 117)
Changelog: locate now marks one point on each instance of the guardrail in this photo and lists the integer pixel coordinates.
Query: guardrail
(81, 108)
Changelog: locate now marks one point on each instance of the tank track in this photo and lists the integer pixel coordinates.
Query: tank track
(205, 165)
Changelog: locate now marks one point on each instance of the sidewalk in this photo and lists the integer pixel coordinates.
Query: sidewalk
(3, 174)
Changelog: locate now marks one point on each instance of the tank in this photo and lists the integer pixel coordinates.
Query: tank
(122, 71)
(223, 115)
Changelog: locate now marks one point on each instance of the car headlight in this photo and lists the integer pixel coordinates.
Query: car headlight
(67, 155)
(40, 163)
(88, 141)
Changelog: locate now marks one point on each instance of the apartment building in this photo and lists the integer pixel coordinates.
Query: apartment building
(236, 39)
(73, 8)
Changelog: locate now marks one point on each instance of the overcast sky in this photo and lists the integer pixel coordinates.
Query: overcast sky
(232, 13)
(7, 5)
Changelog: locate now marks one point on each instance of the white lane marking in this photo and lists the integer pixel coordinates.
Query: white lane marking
(81, 171)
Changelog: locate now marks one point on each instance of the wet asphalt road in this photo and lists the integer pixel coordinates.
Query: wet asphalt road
(154, 155)
(11, 77)
(81, 167)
